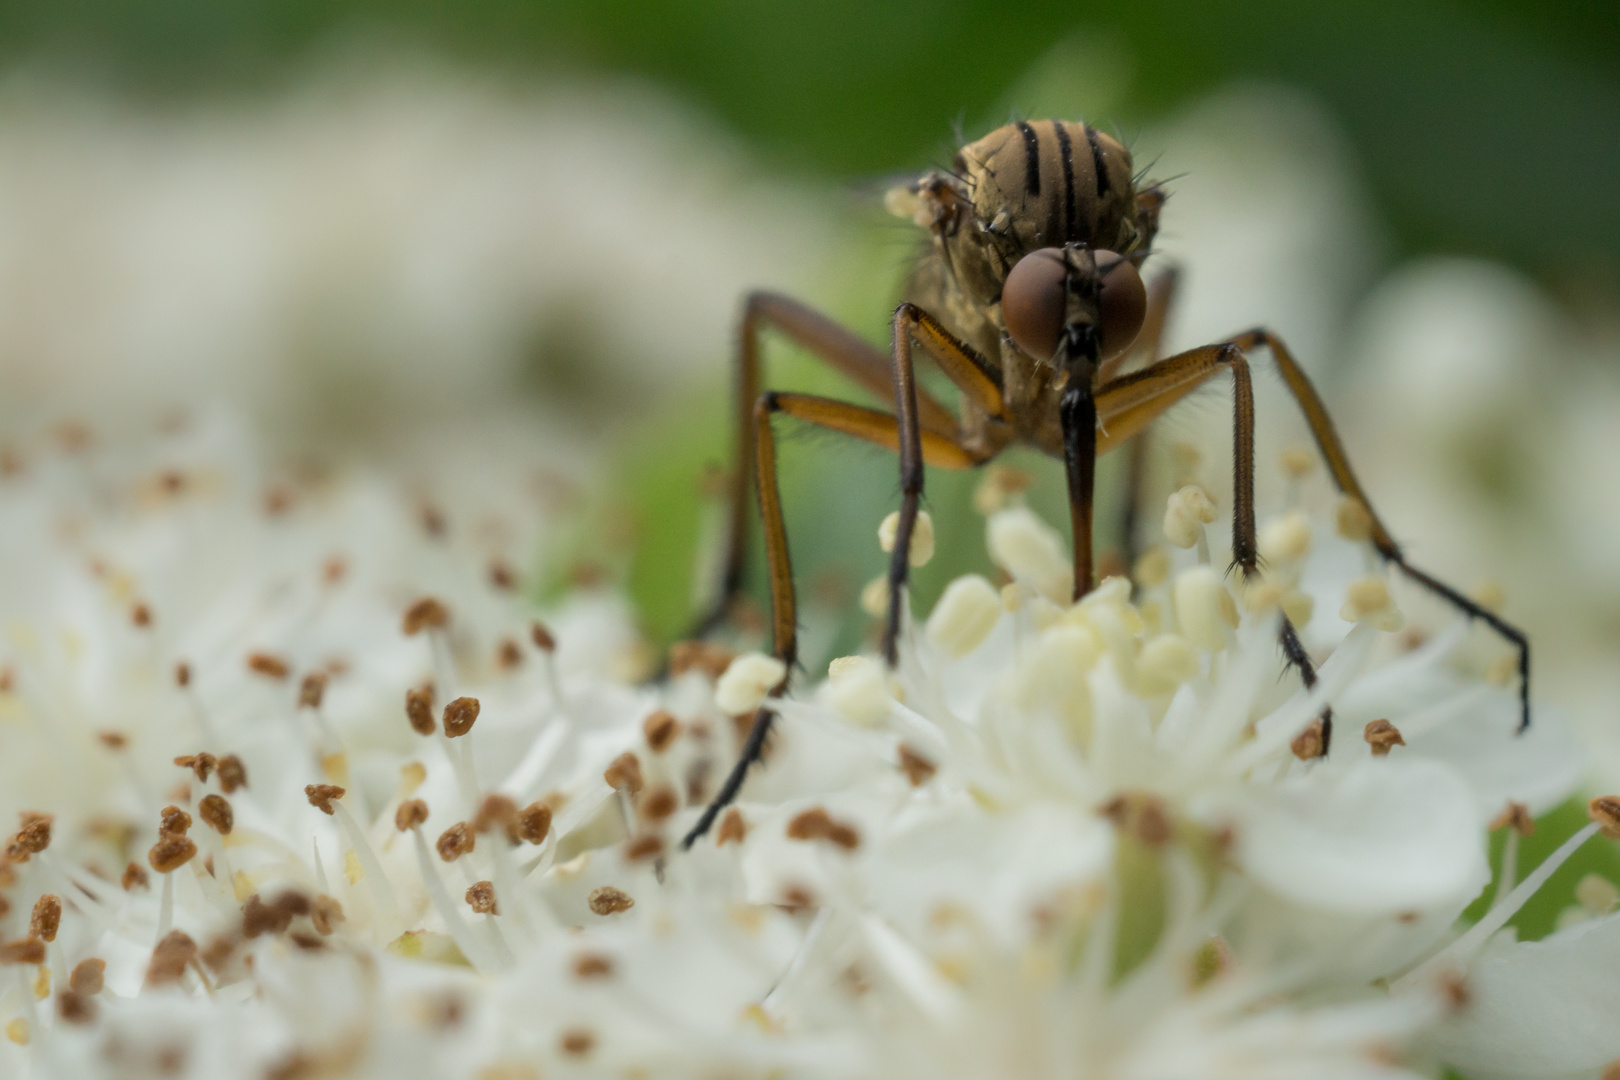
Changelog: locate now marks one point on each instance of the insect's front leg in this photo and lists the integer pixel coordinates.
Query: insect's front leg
(972, 375)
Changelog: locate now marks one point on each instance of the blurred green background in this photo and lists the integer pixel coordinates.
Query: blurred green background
(1490, 127)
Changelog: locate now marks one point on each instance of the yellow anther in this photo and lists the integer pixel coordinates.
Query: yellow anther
(746, 682)
(922, 536)
(1367, 600)
(1286, 539)
(858, 688)
(966, 613)
(1352, 519)
(1204, 609)
(1297, 461)
(1152, 568)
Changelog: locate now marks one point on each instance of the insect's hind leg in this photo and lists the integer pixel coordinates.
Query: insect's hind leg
(1332, 449)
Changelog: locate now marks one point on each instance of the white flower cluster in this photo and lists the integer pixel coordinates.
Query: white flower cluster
(302, 790)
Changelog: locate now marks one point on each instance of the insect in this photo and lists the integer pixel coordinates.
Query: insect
(1029, 298)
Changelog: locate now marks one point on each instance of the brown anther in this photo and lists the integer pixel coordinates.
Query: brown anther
(268, 665)
(459, 716)
(1308, 744)
(312, 690)
(278, 499)
(1605, 810)
(733, 829)
(8, 679)
(918, 769)
(1152, 823)
(533, 822)
(658, 803)
(1515, 816)
(171, 852)
(320, 796)
(1139, 815)
(217, 813)
(182, 674)
(201, 764)
(712, 660)
(577, 1042)
(419, 710)
(170, 957)
(292, 902)
(112, 740)
(34, 836)
(141, 615)
(23, 951)
(426, 614)
(646, 846)
(593, 966)
(1455, 987)
(624, 774)
(1611, 1071)
(1382, 735)
(502, 576)
(495, 810)
(481, 898)
(410, 814)
(609, 901)
(816, 824)
(173, 821)
(88, 976)
(455, 841)
(796, 898)
(432, 519)
(325, 913)
(75, 1008)
(334, 569)
(541, 636)
(232, 773)
(660, 729)
(134, 878)
(508, 657)
(261, 918)
(47, 917)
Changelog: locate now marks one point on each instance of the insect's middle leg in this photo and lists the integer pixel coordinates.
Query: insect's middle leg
(840, 348)
(870, 425)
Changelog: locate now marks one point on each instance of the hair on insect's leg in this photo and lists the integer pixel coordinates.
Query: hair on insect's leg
(1332, 449)
(866, 424)
(862, 362)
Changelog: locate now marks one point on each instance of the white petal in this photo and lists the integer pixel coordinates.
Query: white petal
(1382, 836)
(1542, 1008)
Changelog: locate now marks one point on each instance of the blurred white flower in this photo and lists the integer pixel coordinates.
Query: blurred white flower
(389, 245)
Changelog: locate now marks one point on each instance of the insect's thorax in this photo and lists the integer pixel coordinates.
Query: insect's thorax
(1025, 186)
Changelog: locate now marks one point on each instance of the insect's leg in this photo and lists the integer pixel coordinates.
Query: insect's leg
(977, 382)
(868, 424)
(1327, 441)
(1128, 403)
(842, 349)
(1149, 344)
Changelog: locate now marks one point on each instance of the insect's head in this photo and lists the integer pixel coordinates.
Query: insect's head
(1060, 189)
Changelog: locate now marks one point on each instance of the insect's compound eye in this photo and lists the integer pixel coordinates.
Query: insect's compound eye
(1121, 304)
(1033, 302)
